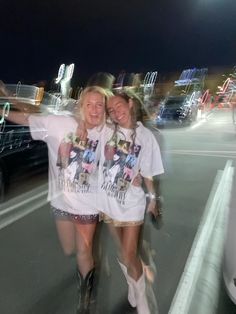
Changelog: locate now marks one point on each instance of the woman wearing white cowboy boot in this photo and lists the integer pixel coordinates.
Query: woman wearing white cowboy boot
(122, 203)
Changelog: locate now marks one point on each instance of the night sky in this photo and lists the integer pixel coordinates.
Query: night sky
(113, 35)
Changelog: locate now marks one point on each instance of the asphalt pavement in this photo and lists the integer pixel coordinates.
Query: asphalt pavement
(36, 278)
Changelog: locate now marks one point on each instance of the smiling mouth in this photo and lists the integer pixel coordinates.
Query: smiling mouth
(120, 117)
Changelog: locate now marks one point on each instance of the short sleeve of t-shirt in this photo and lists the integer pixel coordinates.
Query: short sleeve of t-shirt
(38, 127)
(151, 162)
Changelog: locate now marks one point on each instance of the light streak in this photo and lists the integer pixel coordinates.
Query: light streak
(5, 112)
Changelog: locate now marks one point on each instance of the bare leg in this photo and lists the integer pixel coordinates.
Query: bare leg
(84, 247)
(116, 236)
(66, 234)
(129, 250)
(85, 265)
(127, 240)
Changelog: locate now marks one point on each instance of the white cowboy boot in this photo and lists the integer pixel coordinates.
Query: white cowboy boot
(145, 297)
(131, 293)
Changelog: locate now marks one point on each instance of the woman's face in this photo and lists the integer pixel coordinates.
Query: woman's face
(119, 111)
(93, 107)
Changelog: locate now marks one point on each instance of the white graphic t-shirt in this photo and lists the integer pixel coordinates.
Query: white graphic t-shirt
(72, 163)
(123, 156)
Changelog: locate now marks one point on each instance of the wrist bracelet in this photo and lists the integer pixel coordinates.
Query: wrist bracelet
(151, 196)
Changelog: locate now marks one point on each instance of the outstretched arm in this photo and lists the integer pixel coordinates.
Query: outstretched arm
(12, 109)
(14, 116)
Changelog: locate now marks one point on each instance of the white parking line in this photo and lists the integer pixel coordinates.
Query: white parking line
(217, 203)
(23, 205)
(205, 153)
(18, 215)
(197, 124)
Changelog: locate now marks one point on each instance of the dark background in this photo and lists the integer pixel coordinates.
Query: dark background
(113, 35)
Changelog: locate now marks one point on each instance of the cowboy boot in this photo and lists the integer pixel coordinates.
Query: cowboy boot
(145, 297)
(85, 286)
(131, 293)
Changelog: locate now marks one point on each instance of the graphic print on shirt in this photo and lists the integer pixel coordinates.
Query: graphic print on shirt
(118, 171)
(76, 162)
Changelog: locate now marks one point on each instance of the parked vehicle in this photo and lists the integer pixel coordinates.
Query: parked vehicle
(177, 110)
(20, 156)
(182, 103)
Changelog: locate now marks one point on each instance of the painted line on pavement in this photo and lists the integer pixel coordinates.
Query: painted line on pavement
(206, 153)
(16, 216)
(22, 203)
(187, 285)
(197, 124)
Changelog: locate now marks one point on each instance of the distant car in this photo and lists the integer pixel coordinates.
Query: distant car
(177, 110)
(20, 156)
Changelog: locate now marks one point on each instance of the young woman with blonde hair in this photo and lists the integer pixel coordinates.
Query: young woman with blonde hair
(73, 179)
